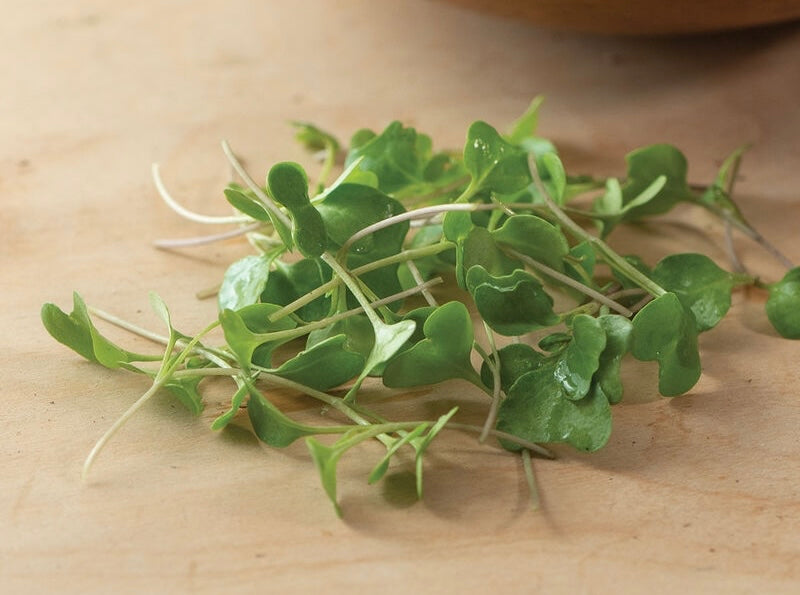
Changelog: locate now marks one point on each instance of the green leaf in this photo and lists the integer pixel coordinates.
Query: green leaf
(665, 331)
(314, 138)
(236, 402)
(325, 459)
(243, 282)
(352, 207)
(700, 285)
(250, 334)
(288, 185)
(186, 391)
(645, 166)
(76, 331)
(393, 156)
(479, 247)
(525, 126)
(382, 466)
(618, 330)
(581, 358)
(536, 409)
(289, 281)
(513, 304)
(270, 424)
(422, 443)
(556, 176)
(325, 365)
(783, 305)
(442, 355)
(249, 205)
(494, 163)
(516, 359)
(534, 237)
(245, 201)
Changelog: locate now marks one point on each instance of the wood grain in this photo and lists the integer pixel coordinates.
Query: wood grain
(697, 493)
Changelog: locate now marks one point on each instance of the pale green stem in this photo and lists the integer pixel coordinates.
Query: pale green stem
(163, 375)
(531, 479)
(569, 281)
(268, 202)
(330, 285)
(494, 365)
(608, 254)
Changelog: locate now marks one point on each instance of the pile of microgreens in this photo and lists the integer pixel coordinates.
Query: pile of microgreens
(343, 278)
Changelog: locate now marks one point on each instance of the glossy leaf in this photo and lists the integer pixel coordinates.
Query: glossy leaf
(243, 282)
(325, 365)
(393, 156)
(783, 305)
(289, 281)
(479, 247)
(536, 409)
(516, 359)
(618, 330)
(700, 285)
(581, 358)
(665, 331)
(534, 237)
(443, 354)
(494, 163)
(513, 304)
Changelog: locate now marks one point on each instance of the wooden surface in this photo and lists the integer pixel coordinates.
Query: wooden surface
(693, 494)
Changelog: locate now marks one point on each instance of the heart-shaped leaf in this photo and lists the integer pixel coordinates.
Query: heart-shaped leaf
(243, 282)
(516, 359)
(494, 163)
(443, 354)
(534, 237)
(581, 358)
(511, 305)
(665, 331)
(700, 285)
(783, 305)
(536, 409)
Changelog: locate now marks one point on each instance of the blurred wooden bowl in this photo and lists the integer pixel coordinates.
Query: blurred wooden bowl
(642, 17)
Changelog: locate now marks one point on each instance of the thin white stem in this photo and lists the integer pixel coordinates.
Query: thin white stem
(186, 213)
(268, 202)
(532, 446)
(567, 280)
(412, 267)
(491, 418)
(209, 239)
(422, 213)
(87, 465)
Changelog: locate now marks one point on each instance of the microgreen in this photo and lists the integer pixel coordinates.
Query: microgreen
(343, 287)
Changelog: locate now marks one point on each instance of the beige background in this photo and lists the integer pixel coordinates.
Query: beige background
(698, 493)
